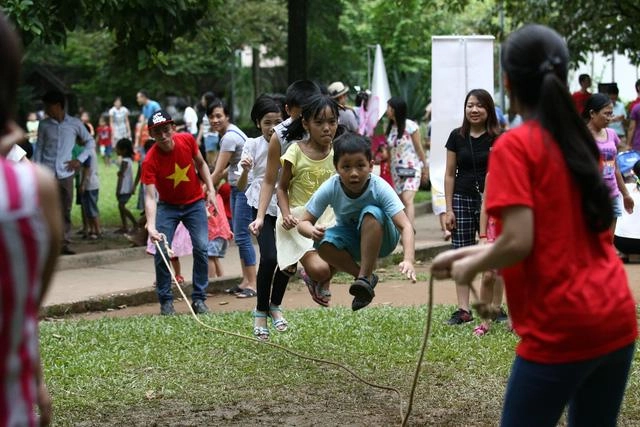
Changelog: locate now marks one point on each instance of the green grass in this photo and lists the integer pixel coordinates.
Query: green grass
(110, 369)
(107, 202)
(422, 196)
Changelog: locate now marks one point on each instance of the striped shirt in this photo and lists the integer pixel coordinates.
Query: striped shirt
(24, 242)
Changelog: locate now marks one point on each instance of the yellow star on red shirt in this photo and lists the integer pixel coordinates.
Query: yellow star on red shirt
(179, 174)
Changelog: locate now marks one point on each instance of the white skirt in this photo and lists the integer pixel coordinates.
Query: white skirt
(291, 244)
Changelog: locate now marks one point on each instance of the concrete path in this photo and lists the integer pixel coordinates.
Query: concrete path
(107, 279)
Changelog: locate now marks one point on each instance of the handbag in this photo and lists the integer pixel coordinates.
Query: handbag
(405, 172)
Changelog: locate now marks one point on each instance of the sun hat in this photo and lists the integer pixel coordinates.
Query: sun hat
(337, 89)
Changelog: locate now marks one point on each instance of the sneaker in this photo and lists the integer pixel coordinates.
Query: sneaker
(459, 317)
(166, 308)
(362, 291)
(199, 307)
(502, 316)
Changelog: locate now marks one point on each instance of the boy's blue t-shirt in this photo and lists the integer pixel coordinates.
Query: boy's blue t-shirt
(347, 210)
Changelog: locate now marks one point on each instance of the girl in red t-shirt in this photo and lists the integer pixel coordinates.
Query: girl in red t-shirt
(567, 291)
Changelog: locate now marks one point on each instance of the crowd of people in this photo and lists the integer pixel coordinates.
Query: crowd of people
(542, 199)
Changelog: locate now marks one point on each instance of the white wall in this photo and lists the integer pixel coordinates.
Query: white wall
(459, 64)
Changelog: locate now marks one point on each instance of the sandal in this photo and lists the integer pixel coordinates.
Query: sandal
(280, 324)
(260, 332)
(313, 287)
(180, 280)
(233, 290)
(246, 293)
(291, 270)
(362, 291)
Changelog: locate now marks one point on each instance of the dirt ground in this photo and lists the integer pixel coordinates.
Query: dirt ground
(391, 291)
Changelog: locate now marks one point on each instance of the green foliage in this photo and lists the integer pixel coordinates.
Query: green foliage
(142, 26)
(587, 25)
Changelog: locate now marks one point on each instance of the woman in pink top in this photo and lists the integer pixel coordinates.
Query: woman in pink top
(598, 111)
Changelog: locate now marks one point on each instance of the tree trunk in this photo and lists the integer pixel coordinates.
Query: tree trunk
(255, 71)
(297, 40)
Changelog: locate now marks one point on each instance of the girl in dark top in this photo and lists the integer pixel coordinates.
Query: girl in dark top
(467, 157)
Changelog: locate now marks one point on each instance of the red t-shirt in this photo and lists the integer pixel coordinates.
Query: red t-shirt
(225, 192)
(569, 299)
(104, 135)
(633, 104)
(579, 99)
(173, 173)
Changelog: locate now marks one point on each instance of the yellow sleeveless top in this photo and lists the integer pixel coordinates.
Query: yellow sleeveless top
(308, 174)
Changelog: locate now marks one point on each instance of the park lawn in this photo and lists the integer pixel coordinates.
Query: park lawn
(150, 369)
(107, 202)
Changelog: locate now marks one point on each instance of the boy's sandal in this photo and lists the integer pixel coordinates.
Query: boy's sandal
(180, 279)
(260, 332)
(280, 324)
(291, 270)
(246, 293)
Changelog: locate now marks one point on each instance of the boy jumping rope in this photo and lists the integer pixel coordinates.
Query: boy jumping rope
(370, 219)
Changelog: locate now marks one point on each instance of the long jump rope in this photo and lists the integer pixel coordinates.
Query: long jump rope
(485, 311)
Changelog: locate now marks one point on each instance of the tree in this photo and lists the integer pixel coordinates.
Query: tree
(143, 26)
(297, 39)
(587, 25)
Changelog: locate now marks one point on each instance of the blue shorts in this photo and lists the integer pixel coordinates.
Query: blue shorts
(617, 206)
(217, 247)
(348, 238)
(89, 200)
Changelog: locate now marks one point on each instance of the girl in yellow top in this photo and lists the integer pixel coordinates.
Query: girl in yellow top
(306, 165)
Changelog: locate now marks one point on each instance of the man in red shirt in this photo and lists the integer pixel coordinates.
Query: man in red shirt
(169, 174)
(581, 96)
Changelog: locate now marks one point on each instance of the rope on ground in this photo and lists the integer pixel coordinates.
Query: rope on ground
(427, 331)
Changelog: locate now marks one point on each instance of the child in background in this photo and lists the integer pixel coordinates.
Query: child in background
(271, 282)
(491, 285)
(77, 179)
(32, 128)
(306, 165)
(219, 234)
(104, 139)
(180, 245)
(86, 120)
(370, 219)
(88, 192)
(225, 192)
(125, 187)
